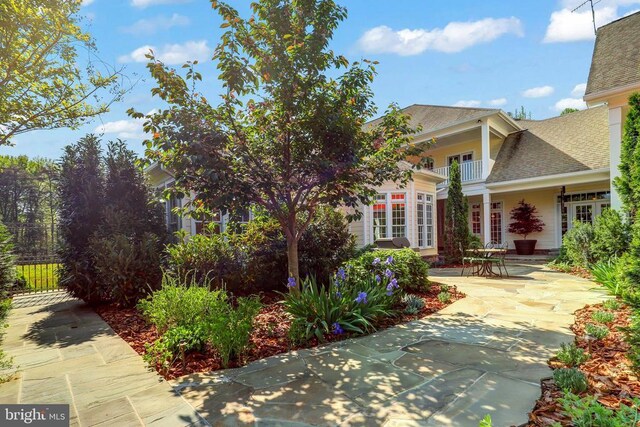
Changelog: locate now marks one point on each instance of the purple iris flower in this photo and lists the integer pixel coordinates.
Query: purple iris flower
(342, 275)
(388, 273)
(394, 283)
(338, 294)
(378, 279)
(376, 261)
(389, 293)
(337, 329)
(389, 260)
(292, 282)
(362, 298)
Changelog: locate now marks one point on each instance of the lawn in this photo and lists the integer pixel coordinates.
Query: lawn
(39, 276)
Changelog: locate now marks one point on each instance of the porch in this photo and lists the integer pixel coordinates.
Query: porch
(470, 171)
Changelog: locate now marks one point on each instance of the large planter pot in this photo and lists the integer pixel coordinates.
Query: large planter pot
(525, 247)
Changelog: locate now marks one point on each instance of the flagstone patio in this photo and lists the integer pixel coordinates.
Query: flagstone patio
(484, 354)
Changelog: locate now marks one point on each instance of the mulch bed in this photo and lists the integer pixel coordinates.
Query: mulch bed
(575, 271)
(608, 370)
(269, 337)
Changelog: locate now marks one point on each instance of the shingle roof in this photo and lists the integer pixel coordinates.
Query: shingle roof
(574, 142)
(616, 55)
(434, 117)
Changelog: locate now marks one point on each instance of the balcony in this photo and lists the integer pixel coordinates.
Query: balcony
(469, 171)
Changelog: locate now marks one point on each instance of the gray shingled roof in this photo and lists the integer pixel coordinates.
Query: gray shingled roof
(574, 142)
(434, 117)
(616, 55)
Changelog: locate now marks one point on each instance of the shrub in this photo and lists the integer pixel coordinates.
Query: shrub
(413, 304)
(632, 337)
(596, 332)
(611, 236)
(606, 273)
(571, 355)
(603, 317)
(174, 344)
(611, 304)
(7, 267)
(577, 244)
(570, 380)
(588, 412)
(444, 297)
(410, 269)
(524, 220)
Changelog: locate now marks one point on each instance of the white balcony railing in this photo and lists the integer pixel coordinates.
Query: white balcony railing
(469, 171)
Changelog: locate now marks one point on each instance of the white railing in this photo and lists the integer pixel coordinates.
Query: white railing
(469, 171)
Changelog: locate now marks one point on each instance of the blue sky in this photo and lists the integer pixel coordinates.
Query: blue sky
(492, 53)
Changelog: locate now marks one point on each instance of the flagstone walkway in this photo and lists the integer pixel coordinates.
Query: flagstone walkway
(65, 353)
(484, 354)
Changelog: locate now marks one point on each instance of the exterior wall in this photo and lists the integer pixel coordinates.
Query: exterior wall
(439, 155)
(363, 228)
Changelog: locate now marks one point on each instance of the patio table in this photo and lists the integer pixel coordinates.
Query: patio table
(485, 268)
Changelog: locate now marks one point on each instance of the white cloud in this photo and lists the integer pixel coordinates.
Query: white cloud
(567, 26)
(86, 2)
(171, 54)
(579, 89)
(497, 102)
(125, 129)
(454, 37)
(570, 103)
(469, 103)
(538, 92)
(155, 24)
(146, 3)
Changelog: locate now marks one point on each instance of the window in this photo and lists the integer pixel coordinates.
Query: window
(476, 220)
(460, 158)
(424, 220)
(213, 224)
(380, 217)
(584, 213)
(174, 220)
(496, 222)
(389, 209)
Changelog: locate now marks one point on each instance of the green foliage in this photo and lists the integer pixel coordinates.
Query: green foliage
(611, 236)
(611, 304)
(521, 114)
(596, 332)
(111, 231)
(588, 412)
(410, 269)
(444, 297)
(456, 222)
(413, 303)
(629, 270)
(632, 337)
(486, 421)
(577, 244)
(570, 380)
(41, 83)
(568, 110)
(628, 182)
(603, 317)
(606, 273)
(571, 355)
(7, 267)
(525, 220)
(286, 157)
(173, 345)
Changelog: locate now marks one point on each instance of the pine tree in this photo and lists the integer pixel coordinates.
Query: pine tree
(628, 183)
(7, 267)
(456, 225)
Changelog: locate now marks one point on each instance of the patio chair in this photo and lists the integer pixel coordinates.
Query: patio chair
(472, 261)
(501, 256)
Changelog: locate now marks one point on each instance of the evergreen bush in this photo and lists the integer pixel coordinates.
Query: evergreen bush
(456, 221)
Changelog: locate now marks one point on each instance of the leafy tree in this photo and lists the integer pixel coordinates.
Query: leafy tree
(525, 220)
(7, 268)
(456, 223)
(568, 110)
(41, 84)
(521, 114)
(628, 183)
(81, 214)
(288, 136)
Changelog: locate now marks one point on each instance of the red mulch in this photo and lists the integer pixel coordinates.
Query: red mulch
(574, 270)
(608, 370)
(269, 337)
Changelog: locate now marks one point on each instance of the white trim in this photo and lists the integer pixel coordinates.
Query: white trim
(541, 182)
(389, 214)
(611, 92)
(365, 221)
(502, 220)
(412, 214)
(434, 220)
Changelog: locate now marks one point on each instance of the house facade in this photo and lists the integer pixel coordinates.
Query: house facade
(564, 165)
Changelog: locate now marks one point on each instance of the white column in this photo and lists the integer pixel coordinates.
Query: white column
(486, 217)
(487, 163)
(365, 224)
(412, 226)
(615, 142)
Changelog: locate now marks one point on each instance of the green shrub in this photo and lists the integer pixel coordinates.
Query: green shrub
(571, 355)
(444, 297)
(597, 332)
(174, 344)
(409, 268)
(413, 304)
(7, 267)
(229, 331)
(611, 236)
(603, 317)
(611, 304)
(486, 421)
(570, 380)
(632, 337)
(577, 244)
(606, 273)
(588, 412)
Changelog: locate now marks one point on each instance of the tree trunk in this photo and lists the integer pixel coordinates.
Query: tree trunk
(292, 258)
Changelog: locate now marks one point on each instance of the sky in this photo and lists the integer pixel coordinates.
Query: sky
(494, 54)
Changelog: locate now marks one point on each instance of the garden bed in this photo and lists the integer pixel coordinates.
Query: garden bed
(610, 377)
(269, 336)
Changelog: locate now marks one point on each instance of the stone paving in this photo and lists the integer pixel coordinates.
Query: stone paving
(484, 354)
(65, 353)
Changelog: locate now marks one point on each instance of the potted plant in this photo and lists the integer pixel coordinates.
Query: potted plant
(524, 221)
